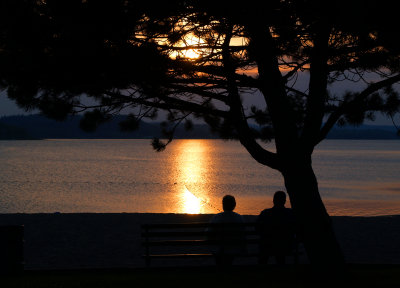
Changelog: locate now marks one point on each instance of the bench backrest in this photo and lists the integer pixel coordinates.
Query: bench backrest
(197, 231)
(183, 240)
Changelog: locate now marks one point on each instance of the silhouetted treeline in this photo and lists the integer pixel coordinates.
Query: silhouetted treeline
(40, 127)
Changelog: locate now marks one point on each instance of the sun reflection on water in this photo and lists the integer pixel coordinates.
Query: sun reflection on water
(193, 176)
(191, 204)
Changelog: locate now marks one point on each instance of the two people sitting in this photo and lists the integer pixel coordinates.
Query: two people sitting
(276, 227)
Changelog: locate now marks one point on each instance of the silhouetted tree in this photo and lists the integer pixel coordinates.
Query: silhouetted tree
(205, 59)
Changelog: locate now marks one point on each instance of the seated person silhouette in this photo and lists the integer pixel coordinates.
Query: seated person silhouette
(226, 233)
(277, 231)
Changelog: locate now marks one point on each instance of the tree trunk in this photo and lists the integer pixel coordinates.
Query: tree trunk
(315, 225)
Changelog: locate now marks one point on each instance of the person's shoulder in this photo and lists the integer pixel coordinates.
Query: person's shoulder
(238, 217)
(289, 210)
(264, 214)
(217, 217)
(232, 216)
(226, 217)
(266, 211)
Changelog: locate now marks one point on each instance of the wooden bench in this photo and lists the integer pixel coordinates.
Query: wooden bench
(192, 240)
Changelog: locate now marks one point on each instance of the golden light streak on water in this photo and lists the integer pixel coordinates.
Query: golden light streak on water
(356, 178)
(191, 204)
(193, 176)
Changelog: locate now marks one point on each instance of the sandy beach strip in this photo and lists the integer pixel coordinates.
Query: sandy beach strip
(97, 240)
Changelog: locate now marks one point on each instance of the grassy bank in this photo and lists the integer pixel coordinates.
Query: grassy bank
(358, 276)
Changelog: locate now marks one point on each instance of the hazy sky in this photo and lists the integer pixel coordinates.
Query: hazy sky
(8, 108)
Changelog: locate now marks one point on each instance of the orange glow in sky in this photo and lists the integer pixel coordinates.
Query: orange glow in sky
(190, 53)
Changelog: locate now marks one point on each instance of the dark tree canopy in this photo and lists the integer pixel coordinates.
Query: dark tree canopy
(130, 54)
(209, 60)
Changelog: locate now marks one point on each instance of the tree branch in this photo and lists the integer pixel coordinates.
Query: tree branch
(246, 137)
(317, 87)
(341, 110)
(167, 103)
(272, 86)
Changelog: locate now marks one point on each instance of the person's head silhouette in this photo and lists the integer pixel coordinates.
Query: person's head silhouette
(228, 203)
(279, 199)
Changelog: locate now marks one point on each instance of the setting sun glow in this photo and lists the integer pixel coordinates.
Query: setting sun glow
(194, 48)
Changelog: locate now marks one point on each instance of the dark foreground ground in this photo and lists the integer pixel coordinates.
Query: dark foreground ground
(104, 250)
(103, 241)
(365, 276)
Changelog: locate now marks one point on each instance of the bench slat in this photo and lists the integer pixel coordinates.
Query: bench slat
(181, 235)
(189, 255)
(197, 242)
(174, 234)
(188, 233)
(196, 225)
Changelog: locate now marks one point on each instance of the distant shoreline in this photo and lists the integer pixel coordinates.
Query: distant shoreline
(96, 240)
(33, 127)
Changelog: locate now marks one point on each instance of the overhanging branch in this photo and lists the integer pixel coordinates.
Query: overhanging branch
(341, 110)
(168, 103)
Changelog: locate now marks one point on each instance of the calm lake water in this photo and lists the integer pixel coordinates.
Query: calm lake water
(191, 176)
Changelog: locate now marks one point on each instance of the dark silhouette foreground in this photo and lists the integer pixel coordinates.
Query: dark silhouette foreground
(277, 231)
(225, 251)
(349, 43)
